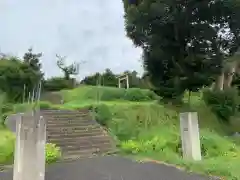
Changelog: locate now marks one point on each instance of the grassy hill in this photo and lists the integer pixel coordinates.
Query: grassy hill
(134, 98)
(144, 127)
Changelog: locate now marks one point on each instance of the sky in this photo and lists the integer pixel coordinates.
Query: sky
(91, 31)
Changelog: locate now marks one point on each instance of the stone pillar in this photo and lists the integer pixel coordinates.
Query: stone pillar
(190, 136)
(41, 142)
(127, 79)
(119, 83)
(18, 150)
(29, 160)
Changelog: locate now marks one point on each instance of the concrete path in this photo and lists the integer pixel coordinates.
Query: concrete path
(112, 168)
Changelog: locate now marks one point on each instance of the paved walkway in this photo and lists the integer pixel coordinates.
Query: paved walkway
(112, 168)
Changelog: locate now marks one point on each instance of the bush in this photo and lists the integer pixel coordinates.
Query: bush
(213, 145)
(8, 107)
(103, 114)
(45, 105)
(53, 153)
(57, 84)
(7, 143)
(19, 108)
(223, 103)
(135, 94)
(4, 117)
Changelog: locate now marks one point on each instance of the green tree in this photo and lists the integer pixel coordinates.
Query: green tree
(109, 78)
(68, 70)
(91, 80)
(14, 74)
(56, 84)
(181, 40)
(33, 60)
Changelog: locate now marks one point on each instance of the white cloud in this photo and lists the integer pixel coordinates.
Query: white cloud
(91, 30)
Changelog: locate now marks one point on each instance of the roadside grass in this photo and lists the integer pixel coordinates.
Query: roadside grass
(7, 142)
(152, 131)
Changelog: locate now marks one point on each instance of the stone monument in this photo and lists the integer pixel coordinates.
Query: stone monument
(190, 136)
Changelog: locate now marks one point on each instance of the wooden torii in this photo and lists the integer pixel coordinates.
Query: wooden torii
(122, 78)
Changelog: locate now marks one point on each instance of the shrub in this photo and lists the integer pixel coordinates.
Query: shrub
(45, 105)
(124, 129)
(109, 93)
(57, 84)
(213, 145)
(135, 94)
(223, 103)
(19, 108)
(4, 116)
(53, 153)
(7, 143)
(8, 107)
(103, 114)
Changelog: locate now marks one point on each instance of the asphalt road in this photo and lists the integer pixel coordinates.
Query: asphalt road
(112, 168)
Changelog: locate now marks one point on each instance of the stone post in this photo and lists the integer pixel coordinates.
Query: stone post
(119, 83)
(17, 168)
(29, 160)
(190, 136)
(41, 142)
(127, 79)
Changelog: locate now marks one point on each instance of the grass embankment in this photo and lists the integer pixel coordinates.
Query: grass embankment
(147, 129)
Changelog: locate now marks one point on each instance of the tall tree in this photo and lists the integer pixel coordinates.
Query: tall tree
(33, 60)
(182, 41)
(68, 70)
(14, 74)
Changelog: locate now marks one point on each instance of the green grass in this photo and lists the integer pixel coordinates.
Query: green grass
(7, 142)
(93, 93)
(153, 131)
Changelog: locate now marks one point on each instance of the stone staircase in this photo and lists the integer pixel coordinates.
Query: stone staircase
(76, 133)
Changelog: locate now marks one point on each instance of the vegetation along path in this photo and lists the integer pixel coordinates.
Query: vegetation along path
(112, 168)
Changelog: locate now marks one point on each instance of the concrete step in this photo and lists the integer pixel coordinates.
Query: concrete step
(61, 120)
(69, 136)
(70, 125)
(73, 137)
(73, 147)
(73, 128)
(66, 116)
(77, 155)
(82, 142)
(65, 110)
(73, 155)
(74, 131)
(84, 152)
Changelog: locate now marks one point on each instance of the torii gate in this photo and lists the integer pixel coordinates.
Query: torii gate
(122, 78)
